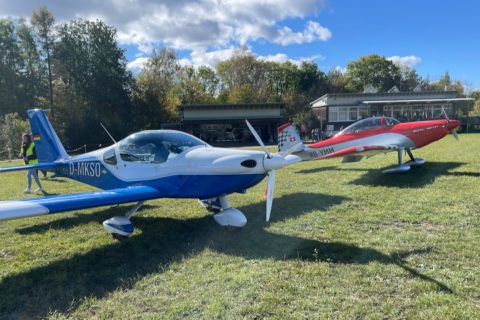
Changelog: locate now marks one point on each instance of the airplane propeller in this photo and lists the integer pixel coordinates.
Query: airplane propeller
(453, 131)
(270, 163)
(259, 140)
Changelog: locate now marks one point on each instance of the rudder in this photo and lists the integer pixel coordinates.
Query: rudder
(288, 140)
(47, 144)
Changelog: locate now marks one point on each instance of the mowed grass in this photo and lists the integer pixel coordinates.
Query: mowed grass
(344, 242)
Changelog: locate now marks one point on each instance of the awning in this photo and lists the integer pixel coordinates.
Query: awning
(416, 101)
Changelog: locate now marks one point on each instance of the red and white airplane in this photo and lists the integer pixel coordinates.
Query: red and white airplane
(368, 137)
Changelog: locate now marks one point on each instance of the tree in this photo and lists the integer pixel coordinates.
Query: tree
(156, 84)
(373, 70)
(94, 83)
(33, 82)
(476, 108)
(11, 130)
(9, 67)
(208, 82)
(337, 81)
(243, 72)
(445, 83)
(43, 22)
(409, 79)
(312, 81)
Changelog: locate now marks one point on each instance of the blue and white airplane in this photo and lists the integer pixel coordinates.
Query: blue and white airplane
(147, 165)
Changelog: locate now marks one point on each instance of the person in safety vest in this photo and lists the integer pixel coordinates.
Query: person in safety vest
(29, 156)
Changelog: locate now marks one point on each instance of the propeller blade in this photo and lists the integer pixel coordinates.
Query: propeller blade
(455, 134)
(445, 114)
(257, 137)
(270, 190)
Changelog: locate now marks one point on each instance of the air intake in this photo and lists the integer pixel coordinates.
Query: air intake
(249, 163)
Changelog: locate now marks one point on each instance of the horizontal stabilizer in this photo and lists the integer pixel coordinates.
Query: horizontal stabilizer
(44, 165)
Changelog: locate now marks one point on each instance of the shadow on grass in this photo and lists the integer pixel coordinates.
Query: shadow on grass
(415, 177)
(64, 223)
(318, 169)
(56, 180)
(62, 285)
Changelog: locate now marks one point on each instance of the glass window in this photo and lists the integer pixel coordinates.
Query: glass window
(332, 114)
(353, 114)
(342, 114)
(156, 146)
(109, 157)
(390, 122)
(363, 112)
(362, 125)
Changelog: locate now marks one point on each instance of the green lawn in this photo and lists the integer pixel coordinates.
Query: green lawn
(344, 242)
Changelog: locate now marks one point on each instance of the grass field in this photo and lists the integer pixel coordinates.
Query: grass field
(345, 242)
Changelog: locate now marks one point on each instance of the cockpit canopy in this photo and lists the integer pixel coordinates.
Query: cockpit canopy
(156, 146)
(369, 124)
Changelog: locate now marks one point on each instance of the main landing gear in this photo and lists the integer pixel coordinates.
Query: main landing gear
(403, 167)
(225, 215)
(121, 227)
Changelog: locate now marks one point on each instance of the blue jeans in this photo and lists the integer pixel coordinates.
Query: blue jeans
(33, 173)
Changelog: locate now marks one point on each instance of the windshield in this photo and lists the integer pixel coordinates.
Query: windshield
(156, 146)
(368, 124)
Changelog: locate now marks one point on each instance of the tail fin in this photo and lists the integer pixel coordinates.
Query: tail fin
(48, 146)
(288, 140)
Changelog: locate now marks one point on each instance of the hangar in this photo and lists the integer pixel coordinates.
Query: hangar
(336, 111)
(217, 123)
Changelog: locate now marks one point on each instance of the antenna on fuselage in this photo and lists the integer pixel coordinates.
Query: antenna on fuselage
(108, 133)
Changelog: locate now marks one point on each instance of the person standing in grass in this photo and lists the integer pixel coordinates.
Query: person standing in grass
(29, 156)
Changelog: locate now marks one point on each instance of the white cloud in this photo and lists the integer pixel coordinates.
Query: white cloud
(340, 69)
(208, 30)
(281, 58)
(409, 61)
(211, 58)
(191, 24)
(313, 32)
(137, 64)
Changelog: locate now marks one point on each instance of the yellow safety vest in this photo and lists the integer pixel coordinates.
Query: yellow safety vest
(30, 153)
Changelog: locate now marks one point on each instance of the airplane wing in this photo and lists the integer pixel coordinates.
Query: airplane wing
(67, 202)
(357, 153)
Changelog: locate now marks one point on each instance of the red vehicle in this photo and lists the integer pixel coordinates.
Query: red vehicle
(368, 137)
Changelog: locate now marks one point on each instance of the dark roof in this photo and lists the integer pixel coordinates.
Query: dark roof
(379, 94)
(268, 105)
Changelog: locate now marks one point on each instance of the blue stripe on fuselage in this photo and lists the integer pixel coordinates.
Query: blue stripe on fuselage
(94, 173)
(91, 172)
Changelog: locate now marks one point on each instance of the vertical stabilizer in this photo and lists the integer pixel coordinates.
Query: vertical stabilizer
(47, 145)
(288, 140)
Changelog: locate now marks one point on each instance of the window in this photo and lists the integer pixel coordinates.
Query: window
(362, 125)
(156, 146)
(342, 114)
(332, 114)
(388, 122)
(346, 114)
(109, 157)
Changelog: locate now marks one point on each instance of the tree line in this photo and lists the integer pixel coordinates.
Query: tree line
(78, 71)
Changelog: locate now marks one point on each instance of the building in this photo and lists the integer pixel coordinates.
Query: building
(216, 123)
(336, 111)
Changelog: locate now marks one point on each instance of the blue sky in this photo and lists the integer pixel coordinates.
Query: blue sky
(432, 36)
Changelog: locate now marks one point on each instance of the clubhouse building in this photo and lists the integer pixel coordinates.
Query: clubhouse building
(336, 111)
